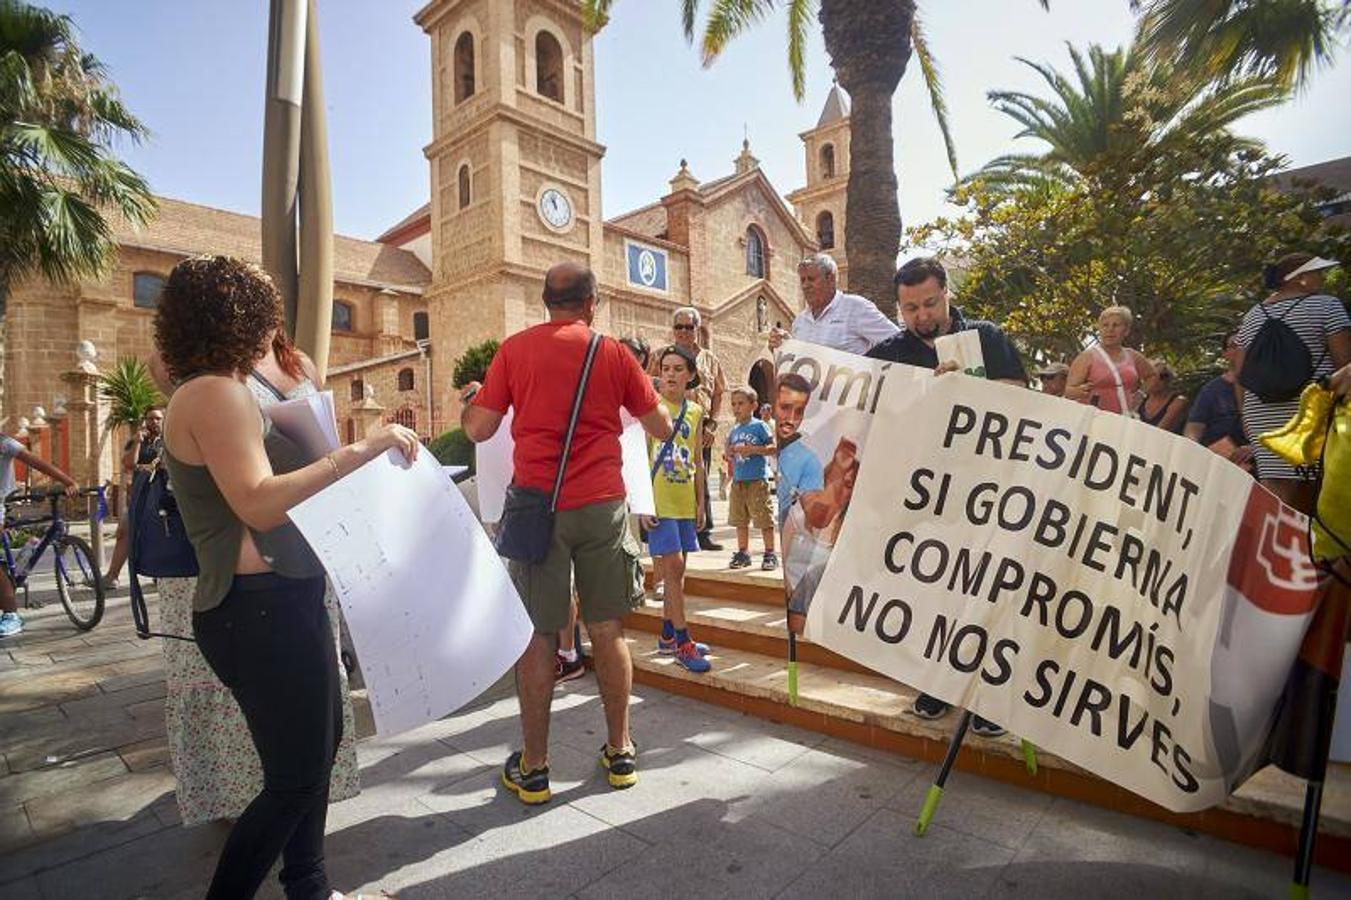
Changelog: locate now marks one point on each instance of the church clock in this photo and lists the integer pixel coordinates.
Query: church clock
(555, 209)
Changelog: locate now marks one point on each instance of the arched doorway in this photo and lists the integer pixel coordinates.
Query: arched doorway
(761, 379)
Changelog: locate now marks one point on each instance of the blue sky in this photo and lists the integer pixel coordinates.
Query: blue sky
(193, 71)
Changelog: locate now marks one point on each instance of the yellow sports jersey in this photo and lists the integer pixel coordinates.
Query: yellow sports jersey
(673, 485)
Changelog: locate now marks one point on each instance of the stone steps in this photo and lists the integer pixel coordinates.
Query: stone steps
(740, 615)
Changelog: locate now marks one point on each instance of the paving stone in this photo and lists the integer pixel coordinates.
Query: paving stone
(747, 858)
(22, 889)
(397, 780)
(404, 844)
(123, 682)
(104, 701)
(120, 798)
(883, 858)
(980, 807)
(823, 796)
(145, 755)
(14, 828)
(51, 853)
(112, 652)
(66, 740)
(76, 775)
(155, 864)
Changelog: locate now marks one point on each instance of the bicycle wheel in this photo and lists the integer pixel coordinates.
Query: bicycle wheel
(78, 583)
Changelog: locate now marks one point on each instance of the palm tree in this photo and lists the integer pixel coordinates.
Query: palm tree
(1282, 39)
(58, 177)
(870, 43)
(130, 393)
(1119, 106)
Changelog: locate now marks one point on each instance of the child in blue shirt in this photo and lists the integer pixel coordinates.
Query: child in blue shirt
(748, 444)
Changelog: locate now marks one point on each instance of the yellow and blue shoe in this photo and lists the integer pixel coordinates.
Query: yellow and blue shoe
(531, 787)
(621, 766)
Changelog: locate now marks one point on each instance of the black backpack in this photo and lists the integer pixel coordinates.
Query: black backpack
(1277, 364)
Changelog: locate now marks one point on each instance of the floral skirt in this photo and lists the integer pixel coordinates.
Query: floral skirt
(210, 749)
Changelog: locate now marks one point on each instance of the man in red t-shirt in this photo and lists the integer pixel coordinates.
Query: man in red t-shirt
(535, 372)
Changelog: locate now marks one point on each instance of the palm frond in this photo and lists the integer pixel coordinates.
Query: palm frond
(933, 83)
(799, 20)
(130, 392)
(726, 20)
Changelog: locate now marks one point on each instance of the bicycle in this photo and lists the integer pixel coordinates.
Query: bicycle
(77, 577)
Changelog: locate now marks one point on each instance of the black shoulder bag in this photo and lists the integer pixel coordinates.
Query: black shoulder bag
(159, 545)
(526, 530)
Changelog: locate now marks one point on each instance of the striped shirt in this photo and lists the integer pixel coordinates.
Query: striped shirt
(850, 323)
(1314, 318)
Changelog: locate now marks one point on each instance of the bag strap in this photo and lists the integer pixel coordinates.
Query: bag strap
(1116, 376)
(670, 441)
(591, 349)
(140, 612)
(272, 388)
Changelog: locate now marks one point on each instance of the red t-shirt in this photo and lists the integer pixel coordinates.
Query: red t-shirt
(536, 372)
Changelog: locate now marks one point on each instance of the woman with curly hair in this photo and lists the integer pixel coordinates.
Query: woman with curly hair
(258, 606)
(217, 771)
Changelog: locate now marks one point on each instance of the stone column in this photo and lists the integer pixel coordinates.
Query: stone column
(84, 427)
(367, 413)
(39, 436)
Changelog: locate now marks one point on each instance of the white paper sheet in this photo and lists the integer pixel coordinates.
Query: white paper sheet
(963, 348)
(432, 611)
(309, 421)
(492, 460)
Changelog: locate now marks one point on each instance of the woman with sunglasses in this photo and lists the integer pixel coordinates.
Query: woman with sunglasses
(1163, 405)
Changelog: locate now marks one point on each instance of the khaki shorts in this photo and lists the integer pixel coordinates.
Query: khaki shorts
(592, 543)
(749, 504)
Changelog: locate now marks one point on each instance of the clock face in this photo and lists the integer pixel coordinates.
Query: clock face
(555, 208)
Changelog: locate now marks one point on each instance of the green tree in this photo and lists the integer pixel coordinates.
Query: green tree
(472, 364)
(130, 393)
(870, 43)
(58, 175)
(1119, 110)
(1282, 39)
(1181, 241)
(453, 448)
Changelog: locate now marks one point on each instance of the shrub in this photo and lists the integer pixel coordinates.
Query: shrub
(453, 448)
(472, 365)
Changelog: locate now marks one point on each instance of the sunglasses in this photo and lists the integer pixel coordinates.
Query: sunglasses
(683, 327)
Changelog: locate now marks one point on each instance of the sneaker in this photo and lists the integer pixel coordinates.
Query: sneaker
(622, 766)
(659, 592)
(669, 647)
(927, 707)
(531, 787)
(707, 543)
(770, 562)
(689, 657)
(568, 671)
(986, 729)
(10, 624)
(740, 560)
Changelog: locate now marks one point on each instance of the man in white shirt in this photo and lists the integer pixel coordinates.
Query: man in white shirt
(832, 318)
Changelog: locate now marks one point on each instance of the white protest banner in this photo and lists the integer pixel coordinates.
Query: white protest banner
(824, 404)
(1109, 591)
(493, 468)
(433, 614)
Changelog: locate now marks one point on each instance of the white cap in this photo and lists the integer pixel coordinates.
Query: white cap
(1317, 264)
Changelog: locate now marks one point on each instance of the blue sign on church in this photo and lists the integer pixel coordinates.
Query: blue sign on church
(646, 266)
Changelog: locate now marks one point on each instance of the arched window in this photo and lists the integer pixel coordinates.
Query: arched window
(342, 316)
(828, 161)
(755, 253)
(463, 179)
(145, 289)
(407, 417)
(825, 230)
(421, 327)
(405, 379)
(548, 66)
(464, 67)
(357, 390)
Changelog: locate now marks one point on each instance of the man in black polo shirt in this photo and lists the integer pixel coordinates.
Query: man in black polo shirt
(926, 309)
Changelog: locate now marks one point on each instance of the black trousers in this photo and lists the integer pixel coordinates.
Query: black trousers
(270, 642)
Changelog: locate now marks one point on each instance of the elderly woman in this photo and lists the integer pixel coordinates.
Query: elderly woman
(258, 605)
(1163, 406)
(1109, 371)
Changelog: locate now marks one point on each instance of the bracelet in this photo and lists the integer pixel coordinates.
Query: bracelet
(334, 463)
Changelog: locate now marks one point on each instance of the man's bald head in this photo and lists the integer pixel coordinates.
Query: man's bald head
(568, 284)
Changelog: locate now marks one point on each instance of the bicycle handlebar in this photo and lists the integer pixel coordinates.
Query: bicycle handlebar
(52, 493)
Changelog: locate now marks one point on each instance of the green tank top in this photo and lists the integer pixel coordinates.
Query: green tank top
(215, 531)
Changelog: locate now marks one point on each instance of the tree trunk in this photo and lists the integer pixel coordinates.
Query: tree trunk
(869, 46)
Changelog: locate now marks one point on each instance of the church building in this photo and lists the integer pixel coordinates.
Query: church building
(515, 177)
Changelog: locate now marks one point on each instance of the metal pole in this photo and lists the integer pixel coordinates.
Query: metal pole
(935, 792)
(281, 146)
(314, 303)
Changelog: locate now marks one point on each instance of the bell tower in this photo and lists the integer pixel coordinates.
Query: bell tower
(821, 204)
(515, 167)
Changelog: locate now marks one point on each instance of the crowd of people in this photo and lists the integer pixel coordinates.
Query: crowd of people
(263, 615)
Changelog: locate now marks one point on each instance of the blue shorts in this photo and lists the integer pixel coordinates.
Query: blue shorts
(672, 536)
